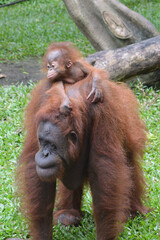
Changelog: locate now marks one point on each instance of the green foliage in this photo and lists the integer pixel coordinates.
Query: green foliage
(13, 100)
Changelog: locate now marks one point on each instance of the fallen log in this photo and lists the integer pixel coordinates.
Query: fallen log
(135, 59)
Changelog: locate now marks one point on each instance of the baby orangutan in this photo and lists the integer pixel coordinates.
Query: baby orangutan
(64, 62)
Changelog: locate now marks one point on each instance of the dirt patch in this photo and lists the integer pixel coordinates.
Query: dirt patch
(21, 71)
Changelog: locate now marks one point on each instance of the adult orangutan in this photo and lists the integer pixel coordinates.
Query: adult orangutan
(97, 143)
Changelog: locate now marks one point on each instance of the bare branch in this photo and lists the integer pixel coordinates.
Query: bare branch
(135, 59)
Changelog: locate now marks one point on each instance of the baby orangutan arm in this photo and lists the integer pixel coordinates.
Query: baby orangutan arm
(96, 91)
(95, 75)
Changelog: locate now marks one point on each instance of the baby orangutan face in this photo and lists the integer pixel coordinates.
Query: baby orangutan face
(57, 64)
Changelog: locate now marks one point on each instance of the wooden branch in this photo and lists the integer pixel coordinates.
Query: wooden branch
(135, 59)
(109, 24)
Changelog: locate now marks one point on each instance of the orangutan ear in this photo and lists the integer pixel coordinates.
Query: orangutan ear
(69, 63)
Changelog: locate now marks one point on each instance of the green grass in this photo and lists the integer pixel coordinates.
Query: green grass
(148, 8)
(5, 1)
(26, 29)
(13, 99)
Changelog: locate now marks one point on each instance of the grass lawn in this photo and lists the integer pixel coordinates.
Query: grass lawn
(25, 30)
(28, 28)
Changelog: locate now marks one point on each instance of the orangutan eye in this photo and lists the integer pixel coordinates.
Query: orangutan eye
(54, 147)
(53, 65)
(73, 137)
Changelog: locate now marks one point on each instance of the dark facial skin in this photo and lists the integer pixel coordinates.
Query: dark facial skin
(53, 155)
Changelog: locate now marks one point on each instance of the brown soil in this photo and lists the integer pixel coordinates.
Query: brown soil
(21, 71)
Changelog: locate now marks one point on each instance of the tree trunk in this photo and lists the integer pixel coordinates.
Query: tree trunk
(135, 59)
(108, 24)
